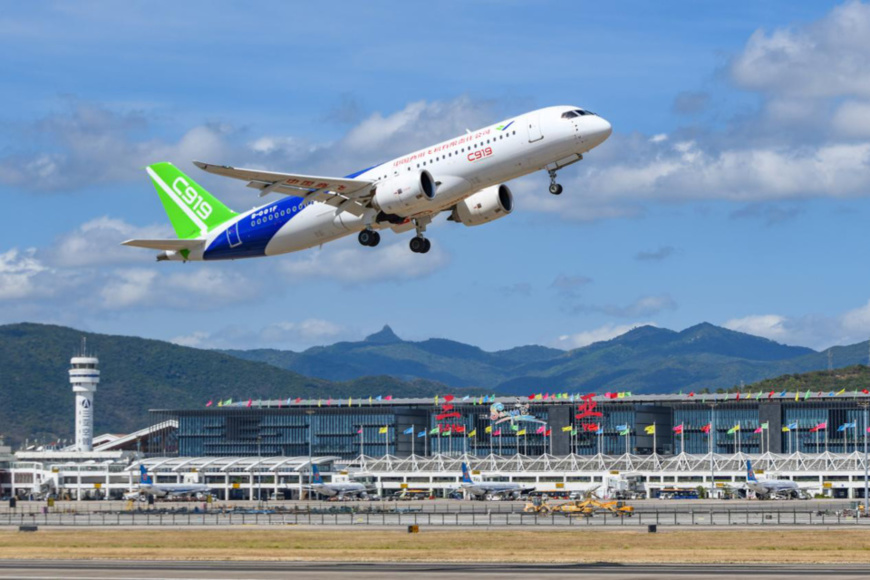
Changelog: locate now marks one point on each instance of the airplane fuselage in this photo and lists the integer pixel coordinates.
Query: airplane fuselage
(461, 167)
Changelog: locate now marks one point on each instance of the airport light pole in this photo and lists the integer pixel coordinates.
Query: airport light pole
(259, 475)
(866, 404)
(712, 448)
(310, 413)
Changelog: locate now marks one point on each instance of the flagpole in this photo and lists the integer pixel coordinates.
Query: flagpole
(682, 439)
(655, 435)
(362, 435)
(413, 436)
(387, 443)
(491, 431)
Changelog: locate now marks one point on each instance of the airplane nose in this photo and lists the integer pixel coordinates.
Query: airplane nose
(600, 130)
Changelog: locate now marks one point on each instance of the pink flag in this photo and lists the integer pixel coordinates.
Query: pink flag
(678, 429)
(360, 431)
(498, 432)
(822, 425)
(541, 429)
(298, 399)
(759, 430)
(250, 402)
(329, 401)
(209, 404)
(388, 398)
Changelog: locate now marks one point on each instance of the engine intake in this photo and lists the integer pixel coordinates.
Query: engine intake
(404, 195)
(484, 206)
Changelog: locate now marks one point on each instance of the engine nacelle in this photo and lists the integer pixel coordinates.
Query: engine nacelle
(484, 206)
(405, 194)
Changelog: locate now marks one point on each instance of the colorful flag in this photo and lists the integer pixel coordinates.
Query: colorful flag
(678, 429)
(250, 402)
(350, 401)
(765, 425)
(209, 404)
(408, 431)
(785, 429)
(388, 398)
(621, 427)
(623, 432)
(549, 432)
(514, 427)
(359, 432)
(566, 428)
(759, 430)
(792, 426)
(840, 392)
(541, 429)
(220, 404)
(822, 425)
(472, 433)
(489, 429)
(797, 396)
(383, 430)
(421, 434)
(807, 395)
(497, 433)
(448, 398)
(706, 428)
(734, 429)
(433, 430)
(650, 430)
(521, 432)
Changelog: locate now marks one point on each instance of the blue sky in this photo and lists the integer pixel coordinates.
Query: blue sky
(734, 189)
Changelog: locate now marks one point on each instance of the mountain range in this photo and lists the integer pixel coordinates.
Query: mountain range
(140, 374)
(647, 359)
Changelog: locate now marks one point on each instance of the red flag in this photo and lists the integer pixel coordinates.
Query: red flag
(548, 433)
(443, 416)
(738, 396)
(865, 391)
(298, 399)
(590, 427)
(692, 394)
(532, 397)
(706, 428)
(448, 398)
(770, 394)
(209, 404)
(446, 408)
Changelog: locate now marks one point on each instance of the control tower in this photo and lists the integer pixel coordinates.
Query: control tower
(84, 376)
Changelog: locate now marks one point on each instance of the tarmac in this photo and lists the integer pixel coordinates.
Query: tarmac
(141, 570)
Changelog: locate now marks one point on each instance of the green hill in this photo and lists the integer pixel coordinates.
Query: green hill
(139, 374)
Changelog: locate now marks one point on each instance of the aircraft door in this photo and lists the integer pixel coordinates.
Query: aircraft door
(533, 121)
(233, 235)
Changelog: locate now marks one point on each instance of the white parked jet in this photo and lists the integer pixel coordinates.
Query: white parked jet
(769, 488)
(464, 176)
(491, 489)
(147, 487)
(336, 489)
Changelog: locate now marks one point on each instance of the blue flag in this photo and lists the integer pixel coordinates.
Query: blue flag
(792, 425)
(842, 427)
(421, 434)
(621, 427)
(408, 431)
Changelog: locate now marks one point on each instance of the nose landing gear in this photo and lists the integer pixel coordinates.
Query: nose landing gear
(369, 238)
(555, 188)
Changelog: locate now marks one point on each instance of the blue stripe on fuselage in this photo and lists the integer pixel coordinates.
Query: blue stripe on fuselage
(256, 236)
(254, 231)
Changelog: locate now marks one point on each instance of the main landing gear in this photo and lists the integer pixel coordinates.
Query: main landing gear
(555, 188)
(369, 238)
(419, 244)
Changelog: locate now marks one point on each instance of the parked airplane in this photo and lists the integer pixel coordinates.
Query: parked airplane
(148, 487)
(463, 176)
(491, 489)
(336, 489)
(769, 488)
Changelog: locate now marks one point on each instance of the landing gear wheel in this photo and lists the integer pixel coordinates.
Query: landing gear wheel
(427, 247)
(555, 188)
(419, 245)
(369, 238)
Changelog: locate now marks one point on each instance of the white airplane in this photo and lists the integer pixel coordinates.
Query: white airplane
(768, 488)
(491, 489)
(336, 489)
(463, 176)
(147, 487)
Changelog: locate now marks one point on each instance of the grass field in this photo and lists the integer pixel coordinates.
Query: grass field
(810, 546)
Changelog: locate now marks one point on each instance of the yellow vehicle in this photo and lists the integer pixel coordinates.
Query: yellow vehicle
(538, 505)
(589, 507)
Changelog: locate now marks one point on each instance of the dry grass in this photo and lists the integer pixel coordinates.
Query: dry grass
(365, 544)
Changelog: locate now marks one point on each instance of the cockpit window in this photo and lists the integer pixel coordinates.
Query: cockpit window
(569, 114)
(582, 112)
(576, 113)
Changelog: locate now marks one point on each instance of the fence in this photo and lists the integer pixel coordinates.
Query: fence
(715, 517)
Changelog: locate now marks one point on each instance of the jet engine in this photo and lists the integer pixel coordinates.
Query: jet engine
(484, 206)
(404, 194)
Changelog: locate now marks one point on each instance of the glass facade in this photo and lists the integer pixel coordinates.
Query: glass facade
(414, 426)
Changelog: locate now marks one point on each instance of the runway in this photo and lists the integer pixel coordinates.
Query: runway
(142, 570)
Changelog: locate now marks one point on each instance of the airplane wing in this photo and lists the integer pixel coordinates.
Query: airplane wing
(165, 244)
(346, 194)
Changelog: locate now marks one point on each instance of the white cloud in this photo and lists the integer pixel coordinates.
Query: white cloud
(347, 261)
(279, 335)
(770, 326)
(98, 242)
(18, 274)
(828, 58)
(196, 339)
(602, 333)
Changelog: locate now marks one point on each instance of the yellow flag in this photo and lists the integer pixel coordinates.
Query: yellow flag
(650, 430)
(840, 392)
(797, 396)
(350, 401)
(521, 432)
(383, 430)
(566, 428)
(489, 429)
(473, 433)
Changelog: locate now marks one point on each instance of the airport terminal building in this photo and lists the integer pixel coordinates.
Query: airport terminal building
(640, 425)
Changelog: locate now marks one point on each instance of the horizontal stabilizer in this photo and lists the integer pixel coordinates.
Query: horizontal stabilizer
(165, 244)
